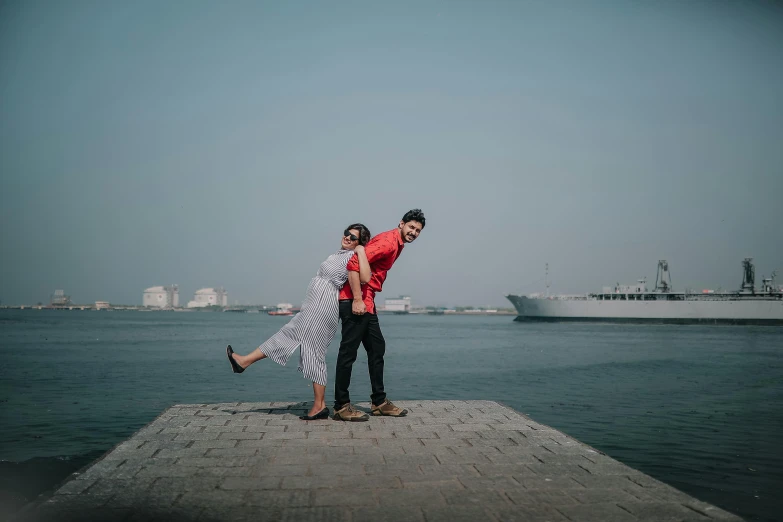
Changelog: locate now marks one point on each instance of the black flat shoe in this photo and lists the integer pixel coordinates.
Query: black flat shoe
(234, 365)
(323, 414)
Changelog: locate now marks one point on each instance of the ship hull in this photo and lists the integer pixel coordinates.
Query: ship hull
(740, 311)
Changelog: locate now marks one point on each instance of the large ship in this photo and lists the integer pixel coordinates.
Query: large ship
(635, 303)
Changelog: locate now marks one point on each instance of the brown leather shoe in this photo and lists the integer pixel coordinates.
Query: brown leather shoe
(388, 409)
(351, 414)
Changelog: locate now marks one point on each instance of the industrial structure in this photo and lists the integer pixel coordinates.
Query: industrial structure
(59, 298)
(209, 297)
(399, 305)
(164, 297)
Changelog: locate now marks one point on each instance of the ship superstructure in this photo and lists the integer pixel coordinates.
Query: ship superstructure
(636, 303)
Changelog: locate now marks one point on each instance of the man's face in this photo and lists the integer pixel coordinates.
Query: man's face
(410, 230)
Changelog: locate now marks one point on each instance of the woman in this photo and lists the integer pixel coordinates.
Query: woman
(313, 328)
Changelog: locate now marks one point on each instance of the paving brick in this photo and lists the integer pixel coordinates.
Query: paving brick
(517, 454)
(316, 514)
(497, 482)
(484, 497)
(231, 483)
(225, 429)
(229, 435)
(349, 442)
(465, 513)
(417, 481)
(231, 452)
(466, 470)
(261, 428)
(541, 482)
(181, 453)
(460, 435)
(454, 442)
(163, 471)
(369, 482)
(387, 469)
(388, 514)
(197, 436)
(511, 467)
(336, 470)
(192, 484)
(371, 449)
(605, 512)
(504, 513)
(301, 482)
(410, 460)
(486, 451)
(211, 421)
(346, 497)
(469, 458)
(251, 443)
(421, 496)
(303, 458)
(210, 444)
(330, 451)
(594, 496)
(242, 513)
(548, 469)
(494, 442)
(418, 434)
(279, 498)
(356, 460)
(470, 427)
(224, 472)
(281, 470)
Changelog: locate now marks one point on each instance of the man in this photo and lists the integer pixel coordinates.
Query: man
(360, 321)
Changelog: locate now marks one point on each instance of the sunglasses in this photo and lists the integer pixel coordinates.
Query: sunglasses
(350, 236)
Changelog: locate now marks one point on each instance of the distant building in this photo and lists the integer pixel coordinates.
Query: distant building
(400, 305)
(60, 299)
(161, 297)
(102, 305)
(209, 297)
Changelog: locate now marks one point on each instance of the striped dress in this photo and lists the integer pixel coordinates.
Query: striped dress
(313, 328)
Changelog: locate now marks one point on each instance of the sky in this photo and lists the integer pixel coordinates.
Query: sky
(228, 144)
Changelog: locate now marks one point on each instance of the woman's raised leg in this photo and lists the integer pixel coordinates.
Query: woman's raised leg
(246, 360)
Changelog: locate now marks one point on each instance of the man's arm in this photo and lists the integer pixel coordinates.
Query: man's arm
(364, 265)
(358, 307)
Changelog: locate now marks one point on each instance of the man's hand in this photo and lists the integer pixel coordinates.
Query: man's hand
(358, 307)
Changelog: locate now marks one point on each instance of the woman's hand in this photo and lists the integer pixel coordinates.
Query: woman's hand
(359, 248)
(358, 307)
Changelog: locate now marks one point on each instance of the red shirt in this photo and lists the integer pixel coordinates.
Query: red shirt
(382, 251)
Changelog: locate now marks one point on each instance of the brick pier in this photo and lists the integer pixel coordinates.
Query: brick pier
(446, 461)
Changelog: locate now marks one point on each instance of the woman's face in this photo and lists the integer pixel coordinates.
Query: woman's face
(348, 243)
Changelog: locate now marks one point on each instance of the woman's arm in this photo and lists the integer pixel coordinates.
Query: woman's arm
(364, 265)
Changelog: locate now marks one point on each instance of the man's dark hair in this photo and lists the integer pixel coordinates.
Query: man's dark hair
(364, 232)
(414, 215)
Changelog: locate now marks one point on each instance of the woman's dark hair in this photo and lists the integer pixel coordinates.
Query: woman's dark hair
(364, 232)
(414, 215)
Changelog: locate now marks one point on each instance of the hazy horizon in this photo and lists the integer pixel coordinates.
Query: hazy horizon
(229, 145)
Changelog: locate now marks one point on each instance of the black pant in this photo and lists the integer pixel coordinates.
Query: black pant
(359, 329)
